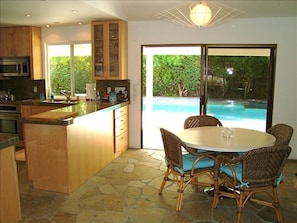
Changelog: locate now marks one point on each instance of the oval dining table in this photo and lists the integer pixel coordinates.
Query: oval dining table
(222, 139)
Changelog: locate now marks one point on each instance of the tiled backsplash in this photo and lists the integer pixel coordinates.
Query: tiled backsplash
(102, 86)
(23, 87)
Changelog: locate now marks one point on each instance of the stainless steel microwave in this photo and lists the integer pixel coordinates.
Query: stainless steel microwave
(14, 66)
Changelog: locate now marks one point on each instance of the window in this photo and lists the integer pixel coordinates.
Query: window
(69, 68)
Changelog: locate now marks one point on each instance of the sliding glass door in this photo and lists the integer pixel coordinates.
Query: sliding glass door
(233, 83)
(237, 85)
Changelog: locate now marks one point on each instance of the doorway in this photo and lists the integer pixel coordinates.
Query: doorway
(234, 83)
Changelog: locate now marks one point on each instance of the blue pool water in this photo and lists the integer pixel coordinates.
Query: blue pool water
(223, 110)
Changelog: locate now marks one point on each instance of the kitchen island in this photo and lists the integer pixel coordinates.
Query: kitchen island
(10, 210)
(66, 146)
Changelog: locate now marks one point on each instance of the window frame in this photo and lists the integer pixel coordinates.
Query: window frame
(72, 77)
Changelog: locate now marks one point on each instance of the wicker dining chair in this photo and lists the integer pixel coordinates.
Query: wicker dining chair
(248, 174)
(183, 168)
(283, 134)
(201, 120)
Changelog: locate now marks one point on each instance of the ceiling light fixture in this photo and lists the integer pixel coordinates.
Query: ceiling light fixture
(200, 14)
(28, 15)
(196, 14)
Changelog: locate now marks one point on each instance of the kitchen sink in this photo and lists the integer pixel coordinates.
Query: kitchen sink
(71, 102)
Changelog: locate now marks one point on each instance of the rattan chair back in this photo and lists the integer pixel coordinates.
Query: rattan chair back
(201, 120)
(282, 132)
(261, 167)
(173, 148)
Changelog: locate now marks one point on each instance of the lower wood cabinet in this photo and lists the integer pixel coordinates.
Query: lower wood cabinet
(62, 157)
(121, 130)
(10, 209)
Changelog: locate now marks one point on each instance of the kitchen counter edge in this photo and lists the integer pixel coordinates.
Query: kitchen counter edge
(7, 141)
(82, 108)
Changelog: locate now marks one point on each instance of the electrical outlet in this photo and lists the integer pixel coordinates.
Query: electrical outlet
(35, 89)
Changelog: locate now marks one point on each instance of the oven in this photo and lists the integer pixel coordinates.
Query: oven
(10, 120)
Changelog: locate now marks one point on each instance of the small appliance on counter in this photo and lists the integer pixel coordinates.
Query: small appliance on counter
(122, 94)
(7, 96)
(112, 97)
(91, 92)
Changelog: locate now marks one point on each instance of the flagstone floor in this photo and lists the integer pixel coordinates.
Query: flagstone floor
(126, 191)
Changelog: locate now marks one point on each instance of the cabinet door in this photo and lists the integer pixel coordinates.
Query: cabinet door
(7, 36)
(15, 41)
(109, 40)
(99, 44)
(22, 41)
(36, 54)
(113, 50)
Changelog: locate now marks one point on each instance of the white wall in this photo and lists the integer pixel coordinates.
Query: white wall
(66, 34)
(280, 31)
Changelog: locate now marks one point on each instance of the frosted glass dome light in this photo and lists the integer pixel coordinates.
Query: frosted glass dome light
(200, 14)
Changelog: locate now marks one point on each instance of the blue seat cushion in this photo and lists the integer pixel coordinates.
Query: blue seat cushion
(238, 171)
(188, 160)
(237, 168)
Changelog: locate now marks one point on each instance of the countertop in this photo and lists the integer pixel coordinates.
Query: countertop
(6, 141)
(65, 115)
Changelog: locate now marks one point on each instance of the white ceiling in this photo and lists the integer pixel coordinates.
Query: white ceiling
(59, 13)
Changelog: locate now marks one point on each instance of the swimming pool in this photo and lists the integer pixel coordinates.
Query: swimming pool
(223, 110)
(170, 113)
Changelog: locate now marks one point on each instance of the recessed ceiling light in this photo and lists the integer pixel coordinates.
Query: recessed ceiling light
(47, 26)
(79, 23)
(28, 15)
(74, 11)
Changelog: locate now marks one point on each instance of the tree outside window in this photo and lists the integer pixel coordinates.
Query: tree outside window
(69, 68)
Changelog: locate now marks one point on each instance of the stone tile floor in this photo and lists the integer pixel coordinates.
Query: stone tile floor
(126, 191)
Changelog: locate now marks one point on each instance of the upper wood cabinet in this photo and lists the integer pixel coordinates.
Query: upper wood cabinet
(110, 50)
(20, 42)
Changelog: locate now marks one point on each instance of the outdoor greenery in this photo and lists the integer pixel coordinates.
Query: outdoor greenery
(60, 75)
(230, 77)
(176, 75)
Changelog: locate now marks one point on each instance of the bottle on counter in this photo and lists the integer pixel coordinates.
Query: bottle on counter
(98, 96)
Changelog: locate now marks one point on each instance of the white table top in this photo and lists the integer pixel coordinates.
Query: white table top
(211, 138)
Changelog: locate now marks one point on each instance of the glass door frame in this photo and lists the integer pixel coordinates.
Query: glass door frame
(204, 73)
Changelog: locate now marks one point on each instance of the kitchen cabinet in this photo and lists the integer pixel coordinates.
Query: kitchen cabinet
(110, 50)
(10, 208)
(61, 157)
(121, 136)
(22, 42)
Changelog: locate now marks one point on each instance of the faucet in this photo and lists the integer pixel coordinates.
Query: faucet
(67, 94)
